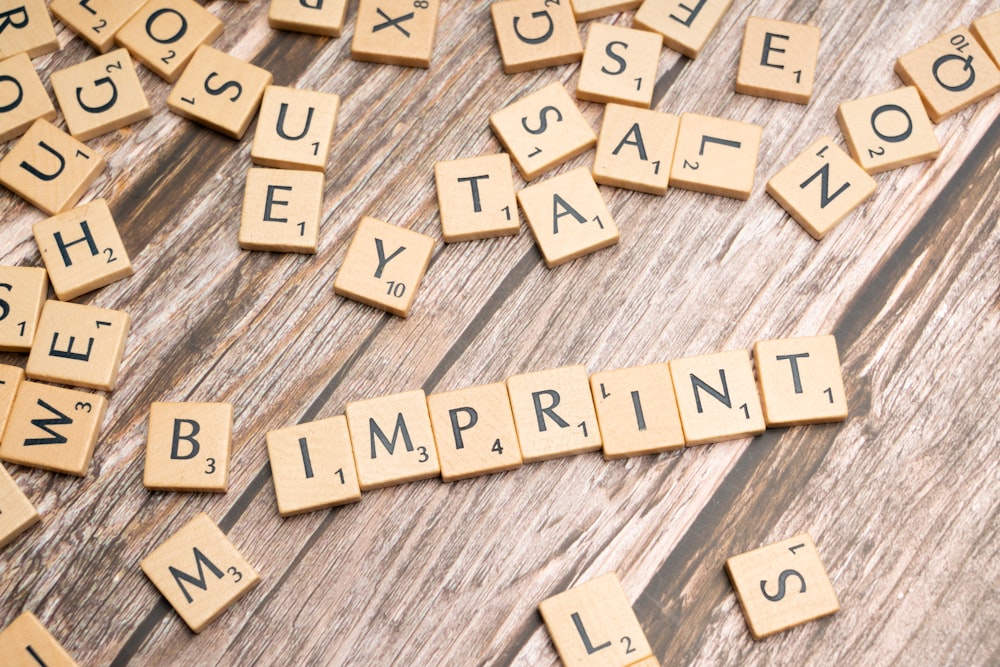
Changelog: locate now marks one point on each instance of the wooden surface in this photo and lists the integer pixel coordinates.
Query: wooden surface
(902, 499)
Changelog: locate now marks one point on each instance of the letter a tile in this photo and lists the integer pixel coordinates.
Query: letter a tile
(26, 643)
(716, 156)
(685, 25)
(314, 17)
(637, 411)
(888, 130)
(295, 128)
(96, 21)
(281, 210)
(619, 65)
(554, 413)
(22, 296)
(476, 198)
(17, 514)
(27, 98)
(188, 447)
(164, 35)
(27, 29)
(778, 60)
(800, 380)
(396, 32)
(535, 33)
(635, 149)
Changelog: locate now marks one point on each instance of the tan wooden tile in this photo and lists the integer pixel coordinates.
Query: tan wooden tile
(781, 586)
(219, 91)
(888, 130)
(393, 439)
(635, 149)
(188, 447)
(79, 345)
(821, 186)
(800, 380)
(568, 217)
(53, 428)
(476, 198)
(542, 130)
(593, 625)
(685, 25)
(716, 156)
(778, 60)
(637, 411)
(25, 99)
(554, 413)
(200, 572)
(315, 17)
(26, 643)
(313, 466)
(17, 515)
(474, 431)
(396, 32)
(384, 266)
(96, 21)
(164, 35)
(533, 34)
(619, 65)
(651, 661)
(282, 210)
(986, 29)
(951, 73)
(28, 29)
(82, 249)
(11, 378)
(584, 10)
(295, 128)
(717, 397)
(22, 295)
(49, 168)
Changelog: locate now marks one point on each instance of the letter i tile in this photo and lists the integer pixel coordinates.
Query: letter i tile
(188, 447)
(27, 643)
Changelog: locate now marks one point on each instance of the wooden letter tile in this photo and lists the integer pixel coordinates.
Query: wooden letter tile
(716, 156)
(27, 28)
(800, 381)
(568, 216)
(384, 266)
(281, 210)
(987, 30)
(295, 128)
(393, 439)
(584, 10)
(11, 378)
(717, 397)
(22, 295)
(53, 428)
(593, 625)
(778, 60)
(78, 345)
(24, 98)
(821, 186)
(313, 466)
(82, 249)
(49, 168)
(685, 25)
(637, 411)
(888, 130)
(535, 33)
(188, 447)
(395, 32)
(781, 585)
(619, 65)
(17, 515)
(219, 91)
(554, 413)
(200, 572)
(164, 35)
(315, 17)
(96, 21)
(26, 643)
(476, 198)
(635, 149)
(474, 431)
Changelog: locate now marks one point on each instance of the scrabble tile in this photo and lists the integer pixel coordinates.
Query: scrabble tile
(651, 661)
(281, 210)
(778, 60)
(535, 33)
(800, 380)
(542, 130)
(593, 625)
(554, 413)
(395, 32)
(715, 155)
(295, 128)
(11, 378)
(49, 168)
(200, 572)
(821, 186)
(188, 447)
(315, 17)
(637, 411)
(17, 514)
(476, 198)
(82, 249)
(23, 98)
(26, 643)
(384, 266)
(474, 431)
(79, 345)
(164, 34)
(22, 295)
(584, 10)
(568, 217)
(27, 29)
(96, 21)
(950, 73)
(685, 25)
(781, 585)
(986, 29)
(717, 397)
(219, 91)
(393, 439)
(635, 149)
(53, 428)
(619, 65)
(313, 466)
(888, 130)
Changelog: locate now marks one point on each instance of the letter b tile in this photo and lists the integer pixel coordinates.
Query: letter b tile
(188, 447)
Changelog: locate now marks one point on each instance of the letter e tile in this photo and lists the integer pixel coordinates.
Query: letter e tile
(188, 447)
(554, 413)
(282, 210)
(778, 60)
(27, 643)
(800, 380)
(22, 295)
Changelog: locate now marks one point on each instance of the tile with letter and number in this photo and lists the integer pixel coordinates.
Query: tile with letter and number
(396, 32)
(888, 130)
(717, 156)
(27, 643)
(27, 28)
(778, 60)
(164, 35)
(281, 210)
(684, 25)
(22, 295)
(25, 96)
(476, 198)
(295, 128)
(637, 411)
(800, 380)
(635, 149)
(95, 21)
(533, 34)
(188, 446)
(619, 65)
(554, 413)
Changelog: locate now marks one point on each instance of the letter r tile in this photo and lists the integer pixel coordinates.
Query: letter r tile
(29, 29)
(188, 447)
